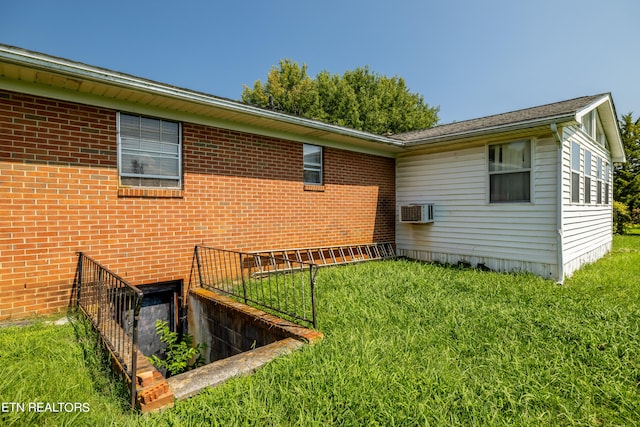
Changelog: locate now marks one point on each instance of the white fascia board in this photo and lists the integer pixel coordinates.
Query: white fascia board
(588, 108)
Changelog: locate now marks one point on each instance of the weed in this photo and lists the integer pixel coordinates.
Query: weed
(179, 350)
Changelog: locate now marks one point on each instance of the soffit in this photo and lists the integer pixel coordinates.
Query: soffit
(107, 85)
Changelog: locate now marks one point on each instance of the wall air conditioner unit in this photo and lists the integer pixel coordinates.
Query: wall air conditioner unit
(416, 213)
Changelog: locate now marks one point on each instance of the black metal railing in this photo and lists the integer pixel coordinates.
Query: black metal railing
(281, 285)
(112, 305)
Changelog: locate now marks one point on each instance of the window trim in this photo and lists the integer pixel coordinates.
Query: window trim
(588, 175)
(600, 135)
(313, 167)
(576, 173)
(600, 172)
(607, 183)
(122, 174)
(588, 121)
(591, 125)
(529, 170)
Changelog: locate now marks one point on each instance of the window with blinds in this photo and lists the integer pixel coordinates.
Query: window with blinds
(149, 152)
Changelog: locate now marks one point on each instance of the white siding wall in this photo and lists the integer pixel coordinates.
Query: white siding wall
(503, 236)
(587, 228)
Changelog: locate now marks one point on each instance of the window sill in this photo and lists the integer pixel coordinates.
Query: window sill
(515, 202)
(313, 187)
(154, 193)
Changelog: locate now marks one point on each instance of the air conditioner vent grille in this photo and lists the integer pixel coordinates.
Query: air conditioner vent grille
(416, 213)
(411, 213)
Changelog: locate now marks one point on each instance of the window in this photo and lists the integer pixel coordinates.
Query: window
(599, 183)
(592, 126)
(510, 172)
(312, 164)
(607, 178)
(587, 123)
(601, 137)
(149, 152)
(575, 172)
(587, 176)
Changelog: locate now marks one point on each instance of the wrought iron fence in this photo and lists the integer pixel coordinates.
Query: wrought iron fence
(282, 285)
(112, 305)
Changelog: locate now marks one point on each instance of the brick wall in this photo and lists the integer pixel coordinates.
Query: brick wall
(59, 194)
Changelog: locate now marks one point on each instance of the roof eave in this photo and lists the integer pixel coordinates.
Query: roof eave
(78, 70)
(564, 119)
(610, 124)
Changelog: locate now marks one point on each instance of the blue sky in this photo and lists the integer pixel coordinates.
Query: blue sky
(470, 58)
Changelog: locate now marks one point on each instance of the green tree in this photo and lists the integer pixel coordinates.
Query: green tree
(626, 186)
(288, 88)
(359, 99)
(621, 217)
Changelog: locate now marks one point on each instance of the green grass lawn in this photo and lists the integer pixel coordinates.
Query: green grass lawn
(405, 343)
(47, 364)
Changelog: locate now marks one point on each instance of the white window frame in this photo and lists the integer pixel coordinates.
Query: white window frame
(576, 171)
(599, 182)
(600, 136)
(588, 171)
(607, 183)
(528, 170)
(588, 123)
(149, 178)
(592, 126)
(313, 166)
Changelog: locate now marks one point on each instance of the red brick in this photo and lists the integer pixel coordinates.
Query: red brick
(240, 191)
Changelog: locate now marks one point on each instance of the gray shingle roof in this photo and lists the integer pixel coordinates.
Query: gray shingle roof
(529, 115)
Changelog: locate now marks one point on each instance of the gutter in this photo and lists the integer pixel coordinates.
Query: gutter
(559, 206)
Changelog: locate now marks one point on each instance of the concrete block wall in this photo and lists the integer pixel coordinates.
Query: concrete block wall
(228, 327)
(60, 193)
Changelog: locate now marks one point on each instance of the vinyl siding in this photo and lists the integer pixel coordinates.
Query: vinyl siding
(587, 228)
(466, 227)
